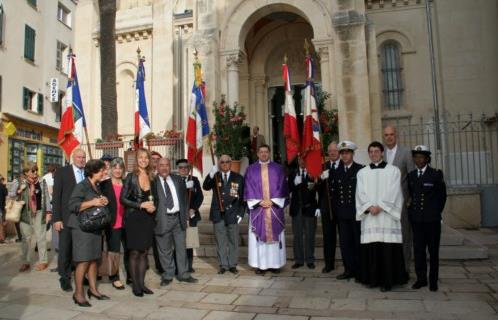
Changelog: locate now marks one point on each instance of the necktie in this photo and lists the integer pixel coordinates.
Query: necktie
(169, 197)
(346, 169)
(420, 172)
(225, 179)
(333, 165)
(79, 175)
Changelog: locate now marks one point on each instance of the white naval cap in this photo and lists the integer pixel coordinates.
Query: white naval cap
(346, 145)
(421, 149)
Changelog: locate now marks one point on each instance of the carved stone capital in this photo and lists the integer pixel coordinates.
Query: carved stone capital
(347, 19)
(234, 60)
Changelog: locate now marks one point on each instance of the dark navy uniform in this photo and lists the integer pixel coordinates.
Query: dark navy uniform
(303, 208)
(329, 221)
(343, 190)
(427, 200)
(226, 228)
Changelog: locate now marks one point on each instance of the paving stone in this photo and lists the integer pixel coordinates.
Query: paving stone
(247, 291)
(279, 317)
(217, 289)
(253, 309)
(186, 296)
(479, 269)
(133, 309)
(348, 304)
(251, 300)
(51, 314)
(309, 303)
(221, 298)
(207, 306)
(395, 305)
(472, 307)
(170, 313)
(226, 315)
(468, 288)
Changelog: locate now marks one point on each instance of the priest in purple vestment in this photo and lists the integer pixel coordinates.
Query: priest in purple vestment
(266, 194)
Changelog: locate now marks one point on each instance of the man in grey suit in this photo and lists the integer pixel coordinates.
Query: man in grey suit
(401, 157)
(171, 219)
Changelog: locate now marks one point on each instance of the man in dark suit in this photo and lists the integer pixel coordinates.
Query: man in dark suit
(226, 219)
(426, 203)
(171, 218)
(343, 190)
(65, 180)
(400, 156)
(194, 194)
(304, 211)
(329, 221)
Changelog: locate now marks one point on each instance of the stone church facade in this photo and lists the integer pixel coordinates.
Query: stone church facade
(373, 58)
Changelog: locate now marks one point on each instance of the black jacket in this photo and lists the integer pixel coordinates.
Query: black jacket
(232, 195)
(108, 192)
(325, 194)
(343, 190)
(3, 197)
(131, 195)
(82, 192)
(64, 183)
(427, 195)
(304, 195)
(196, 199)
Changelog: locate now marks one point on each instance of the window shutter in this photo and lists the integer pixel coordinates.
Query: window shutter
(25, 98)
(29, 43)
(1, 24)
(40, 103)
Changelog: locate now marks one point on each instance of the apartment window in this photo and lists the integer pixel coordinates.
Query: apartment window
(391, 75)
(64, 15)
(2, 18)
(59, 105)
(29, 43)
(32, 101)
(62, 52)
(32, 3)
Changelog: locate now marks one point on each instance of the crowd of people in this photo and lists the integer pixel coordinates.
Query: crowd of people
(377, 209)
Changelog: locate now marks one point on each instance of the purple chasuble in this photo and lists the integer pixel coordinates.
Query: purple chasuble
(263, 222)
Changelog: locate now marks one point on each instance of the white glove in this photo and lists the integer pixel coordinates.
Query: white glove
(213, 171)
(298, 180)
(317, 213)
(324, 175)
(239, 219)
(189, 184)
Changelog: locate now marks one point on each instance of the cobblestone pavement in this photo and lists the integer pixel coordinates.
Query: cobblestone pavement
(468, 290)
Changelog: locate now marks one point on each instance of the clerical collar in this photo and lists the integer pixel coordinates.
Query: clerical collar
(379, 165)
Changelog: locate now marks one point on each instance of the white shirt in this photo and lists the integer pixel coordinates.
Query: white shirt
(390, 154)
(336, 163)
(225, 173)
(423, 171)
(347, 166)
(171, 184)
(79, 174)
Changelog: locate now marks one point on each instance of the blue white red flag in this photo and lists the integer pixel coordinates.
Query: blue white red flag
(142, 123)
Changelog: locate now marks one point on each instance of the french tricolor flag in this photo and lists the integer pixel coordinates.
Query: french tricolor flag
(291, 132)
(142, 124)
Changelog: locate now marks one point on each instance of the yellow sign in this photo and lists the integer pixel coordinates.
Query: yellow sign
(10, 129)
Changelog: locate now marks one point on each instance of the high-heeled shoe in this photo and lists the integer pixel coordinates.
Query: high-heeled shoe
(81, 304)
(101, 297)
(147, 290)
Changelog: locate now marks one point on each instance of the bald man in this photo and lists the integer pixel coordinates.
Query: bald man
(65, 179)
(400, 157)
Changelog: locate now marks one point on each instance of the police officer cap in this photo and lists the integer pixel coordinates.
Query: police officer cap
(423, 149)
(107, 157)
(346, 145)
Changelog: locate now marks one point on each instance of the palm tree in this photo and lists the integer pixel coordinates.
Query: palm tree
(108, 95)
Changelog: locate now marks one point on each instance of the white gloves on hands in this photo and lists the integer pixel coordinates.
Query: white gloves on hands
(189, 184)
(239, 219)
(317, 213)
(213, 171)
(324, 175)
(298, 180)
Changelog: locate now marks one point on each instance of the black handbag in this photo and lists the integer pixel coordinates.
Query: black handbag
(94, 219)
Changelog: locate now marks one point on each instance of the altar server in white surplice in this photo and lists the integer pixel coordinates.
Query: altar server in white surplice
(379, 201)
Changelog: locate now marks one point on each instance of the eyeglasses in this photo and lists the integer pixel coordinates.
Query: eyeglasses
(33, 170)
(182, 167)
(223, 162)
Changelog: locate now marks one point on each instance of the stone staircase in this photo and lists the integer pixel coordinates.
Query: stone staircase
(454, 245)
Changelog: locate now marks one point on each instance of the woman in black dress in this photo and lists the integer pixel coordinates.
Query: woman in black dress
(87, 246)
(139, 221)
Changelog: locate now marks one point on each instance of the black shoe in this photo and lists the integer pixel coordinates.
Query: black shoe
(98, 297)
(297, 265)
(419, 284)
(311, 265)
(147, 290)
(344, 276)
(327, 269)
(66, 285)
(222, 271)
(233, 270)
(260, 272)
(53, 270)
(165, 282)
(189, 280)
(81, 304)
(385, 289)
(433, 286)
(138, 293)
(121, 287)
(275, 270)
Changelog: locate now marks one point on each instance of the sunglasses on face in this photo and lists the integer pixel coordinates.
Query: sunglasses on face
(33, 170)
(224, 162)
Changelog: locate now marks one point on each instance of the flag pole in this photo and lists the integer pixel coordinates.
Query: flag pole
(327, 187)
(216, 178)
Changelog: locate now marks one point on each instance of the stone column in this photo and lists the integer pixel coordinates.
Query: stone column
(262, 113)
(374, 82)
(325, 51)
(233, 62)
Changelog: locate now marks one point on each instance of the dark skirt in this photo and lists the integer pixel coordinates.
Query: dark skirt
(139, 229)
(87, 246)
(382, 265)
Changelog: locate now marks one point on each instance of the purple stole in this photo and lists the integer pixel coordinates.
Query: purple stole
(264, 182)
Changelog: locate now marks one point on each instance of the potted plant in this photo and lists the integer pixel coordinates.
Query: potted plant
(229, 129)
(329, 121)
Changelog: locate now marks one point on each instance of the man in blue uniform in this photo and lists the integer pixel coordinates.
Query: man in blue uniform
(427, 199)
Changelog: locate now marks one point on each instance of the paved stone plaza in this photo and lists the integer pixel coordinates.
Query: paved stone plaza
(468, 290)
